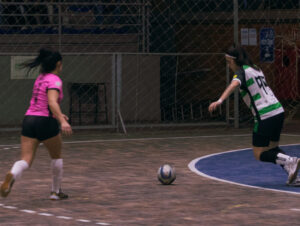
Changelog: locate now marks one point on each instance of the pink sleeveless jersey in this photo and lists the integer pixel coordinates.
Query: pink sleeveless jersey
(39, 101)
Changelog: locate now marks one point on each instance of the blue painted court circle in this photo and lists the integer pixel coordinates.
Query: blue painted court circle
(240, 167)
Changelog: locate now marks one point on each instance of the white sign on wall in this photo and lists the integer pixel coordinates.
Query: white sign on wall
(244, 36)
(16, 72)
(252, 37)
(248, 36)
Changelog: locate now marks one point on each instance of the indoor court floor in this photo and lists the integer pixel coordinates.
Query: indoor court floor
(111, 179)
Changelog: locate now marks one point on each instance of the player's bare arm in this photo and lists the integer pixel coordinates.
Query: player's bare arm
(55, 109)
(233, 85)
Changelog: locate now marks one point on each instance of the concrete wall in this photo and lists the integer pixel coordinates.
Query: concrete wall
(15, 95)
(140, 86)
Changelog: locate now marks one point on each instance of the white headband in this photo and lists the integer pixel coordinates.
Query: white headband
(230, 56)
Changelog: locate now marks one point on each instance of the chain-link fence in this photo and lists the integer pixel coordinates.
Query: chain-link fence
(148, 62)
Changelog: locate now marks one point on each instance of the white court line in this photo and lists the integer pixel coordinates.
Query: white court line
(64, 217)
(10, 207)
(151, 138)
(52, 215)
(8, 145)
(46, 214)
(154, 138)
(141, 139)
(193, 168)
(293, 209)
(291, 135)
(83, 220)
(28, 211)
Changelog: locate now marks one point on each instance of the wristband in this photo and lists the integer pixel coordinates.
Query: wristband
(220, 101)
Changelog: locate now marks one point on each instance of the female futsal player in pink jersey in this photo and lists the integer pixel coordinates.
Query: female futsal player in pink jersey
(41, 123)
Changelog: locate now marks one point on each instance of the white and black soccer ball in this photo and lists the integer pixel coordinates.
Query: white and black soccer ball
(166, 174)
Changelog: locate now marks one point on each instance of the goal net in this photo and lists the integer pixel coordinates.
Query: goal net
(148, 63)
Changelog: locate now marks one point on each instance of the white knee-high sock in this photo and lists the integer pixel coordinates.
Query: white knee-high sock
(57, 173)
(18, 169)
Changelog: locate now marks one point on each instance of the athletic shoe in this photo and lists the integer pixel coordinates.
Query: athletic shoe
(292, 168)
(295, 183)
(7, 184)
(58, 196)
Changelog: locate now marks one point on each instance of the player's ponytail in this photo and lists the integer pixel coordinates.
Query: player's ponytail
(240, 56)
(47, 59)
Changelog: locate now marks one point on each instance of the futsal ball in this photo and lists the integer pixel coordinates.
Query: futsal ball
(166, 174)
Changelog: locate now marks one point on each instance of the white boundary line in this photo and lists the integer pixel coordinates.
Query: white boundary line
(46, 214)
(51, 215)
(291, 135)
(294, 209)
(153, 138)
(150, 138)
(192, 167)
(28, 211)
(141, 139)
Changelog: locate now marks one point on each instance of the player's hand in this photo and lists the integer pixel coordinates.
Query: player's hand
(213, 106)
(66, 117)
(66, 129)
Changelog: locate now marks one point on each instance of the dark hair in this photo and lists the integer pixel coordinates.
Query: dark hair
(240, 56)
(46, 58)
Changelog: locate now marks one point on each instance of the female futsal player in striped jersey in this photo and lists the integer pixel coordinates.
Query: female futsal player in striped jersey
(267, 110)
(40, 124)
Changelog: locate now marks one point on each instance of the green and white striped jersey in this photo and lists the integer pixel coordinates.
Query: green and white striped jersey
(256, 93)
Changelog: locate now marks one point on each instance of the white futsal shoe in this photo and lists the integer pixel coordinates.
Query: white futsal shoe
(292, 167)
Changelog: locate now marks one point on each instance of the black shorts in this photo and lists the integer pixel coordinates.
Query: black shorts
(267, 130)
(40, 127)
